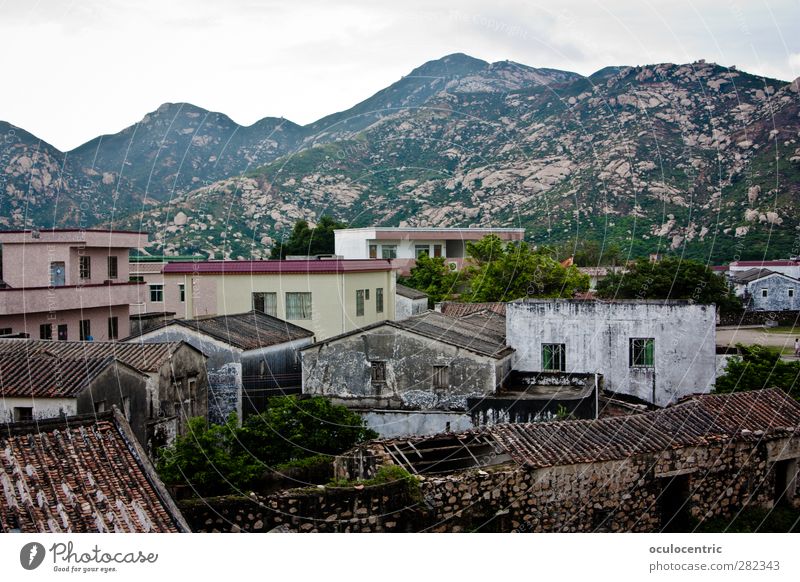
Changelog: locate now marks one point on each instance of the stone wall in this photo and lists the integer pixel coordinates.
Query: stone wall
(377, 508)
(760, 318)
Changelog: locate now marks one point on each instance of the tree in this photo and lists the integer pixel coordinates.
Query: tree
(504, 272)
(221, 459)
(670, 278)
(759, 368)
(309, 241)
(432, 276)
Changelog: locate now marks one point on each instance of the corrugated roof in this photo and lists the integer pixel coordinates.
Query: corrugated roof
(80, 475)
(474, 334)
(410, 292)
(247, 331)
(755, 274)
(288, 267)
(698, 421)
(456, 309)
(43, 375)
(143, 357)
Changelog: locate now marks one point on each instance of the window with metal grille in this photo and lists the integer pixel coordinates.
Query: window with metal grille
(359, 302)
(85, 329)
(379, 300)
(266, 302)
(62, 332)
(85, 267)
(642, 352)
(373, 251)
(23, 413)
(388, 251)
(46, 331)
(554, 357)
(298, 305)
(420, 250)
(112, 268)
(764, 293)
(113, 327)
(156, 292)
(441, 378)
(182, 293)
(378, 371)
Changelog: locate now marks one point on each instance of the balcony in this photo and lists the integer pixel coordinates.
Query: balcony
(46, 299)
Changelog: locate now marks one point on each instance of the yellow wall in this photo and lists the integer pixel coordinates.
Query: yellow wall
(333, 297)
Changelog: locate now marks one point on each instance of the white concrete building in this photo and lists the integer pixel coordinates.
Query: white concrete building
(657, 351)
(404, 244)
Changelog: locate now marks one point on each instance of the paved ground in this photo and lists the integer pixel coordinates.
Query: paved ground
(730, 336)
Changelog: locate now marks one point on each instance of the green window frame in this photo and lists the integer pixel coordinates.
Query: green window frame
(359, 302)
(642, 352)
(554, 357)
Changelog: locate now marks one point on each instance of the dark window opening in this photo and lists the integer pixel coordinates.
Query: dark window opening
(100, 406)
(62, 332)
(156, 292)
(359, 302)
(85, 330)
(378, 371)
(113, 272)
(113, 327)
(85, 267)
(6, 331)
(23, 413)
(266, 302)
(182, 293)
(674, 504)
(46, 331)
(379, 300)
(785, 475)
(441, 380)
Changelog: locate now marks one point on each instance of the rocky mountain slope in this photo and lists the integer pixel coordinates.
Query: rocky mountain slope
(695, 158)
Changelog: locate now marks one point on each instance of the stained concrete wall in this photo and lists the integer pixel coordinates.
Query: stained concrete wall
(405, 307)
(42, 407)
(341, 369)
(777, 298)
(597, 338)
(399, 423)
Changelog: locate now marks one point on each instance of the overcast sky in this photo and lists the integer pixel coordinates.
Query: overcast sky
(74, 70)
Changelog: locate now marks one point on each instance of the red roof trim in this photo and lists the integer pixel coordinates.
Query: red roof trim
(302, 267)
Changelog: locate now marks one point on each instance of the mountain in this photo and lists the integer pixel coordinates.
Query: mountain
(696, 158)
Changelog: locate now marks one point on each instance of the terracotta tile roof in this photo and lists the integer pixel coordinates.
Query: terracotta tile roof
(42, 375)
(247, 331)
(697, 421)
(302, 267)
(81, 474)
(410, 292)
(143, 357)
(474, 334)
(781, 263)
(456, 309)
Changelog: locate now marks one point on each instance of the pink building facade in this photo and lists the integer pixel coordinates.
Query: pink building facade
(67, 284)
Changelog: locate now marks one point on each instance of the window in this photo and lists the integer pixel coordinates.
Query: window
(389, 251)
(790, 292)
(62, 332)
(378, 371)
(85, 329)
(112, 268)
(266, 303)
(373, 251)
(182, 293)
(420, 250)
(359, 302)
(764, 293)
(642, 352)
(113, 327)
(85, 267)
(366, 294)
(440, 377)
(156, 292)
(437, 250)
(5, 331)
(298, 306)
(136, 279)
(23, 413)
(46, 331)
(100, 406)
(379, 300)
(554, 357)
(57, 274)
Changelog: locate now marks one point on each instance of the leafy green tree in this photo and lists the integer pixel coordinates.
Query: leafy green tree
(221, 459)
(506, 271)
(208, 459)
(309, 241)
(590, 253)
(431, 275)
(292, 428)
(670, 278)
(759, 368)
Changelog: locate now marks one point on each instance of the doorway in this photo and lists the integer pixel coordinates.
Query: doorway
(785, 475)
(674, 502)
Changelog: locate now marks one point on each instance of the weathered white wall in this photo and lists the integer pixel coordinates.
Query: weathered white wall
(42, 407)
(596, 337)
(777, 298)
(392, 423)
(405, 307)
